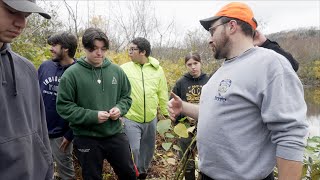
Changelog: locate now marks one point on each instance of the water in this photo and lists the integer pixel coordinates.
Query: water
(314, 122)
(312, 97)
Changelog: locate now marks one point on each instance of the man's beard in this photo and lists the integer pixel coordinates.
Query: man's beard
(223, 46)
(57, 58)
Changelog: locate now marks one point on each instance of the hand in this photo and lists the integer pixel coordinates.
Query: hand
(174, 106)
(103, 116)
(192, 121)
(259, 38)
(64, 145)
(115, 113)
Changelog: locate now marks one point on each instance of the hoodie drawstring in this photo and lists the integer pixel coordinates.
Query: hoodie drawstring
(102, 78)
(92, 73)
(13, 74)
(98, 77)
(3, 74)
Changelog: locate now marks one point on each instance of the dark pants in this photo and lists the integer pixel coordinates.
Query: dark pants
(205, 177)
(190, 167)
(91, 153)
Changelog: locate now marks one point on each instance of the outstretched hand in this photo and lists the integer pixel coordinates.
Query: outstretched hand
(174, 106)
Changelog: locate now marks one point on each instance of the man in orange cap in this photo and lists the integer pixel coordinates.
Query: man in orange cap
(252, 113)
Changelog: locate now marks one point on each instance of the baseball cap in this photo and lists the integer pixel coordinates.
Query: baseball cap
(236, 10)
(28, 6)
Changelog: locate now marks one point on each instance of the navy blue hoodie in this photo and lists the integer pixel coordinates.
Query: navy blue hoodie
(49, 74)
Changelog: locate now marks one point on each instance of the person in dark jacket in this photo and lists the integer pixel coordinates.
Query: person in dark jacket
(63, 48)
(188, 88)
(25, 151)
(261, 40)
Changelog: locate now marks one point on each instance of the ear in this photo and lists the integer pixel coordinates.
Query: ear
(233, 26)
(65, 50)
(143, 52)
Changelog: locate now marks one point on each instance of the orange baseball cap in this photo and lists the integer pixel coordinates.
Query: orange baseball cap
(236, 10)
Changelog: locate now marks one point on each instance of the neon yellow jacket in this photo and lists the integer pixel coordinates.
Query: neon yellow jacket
(148, 90)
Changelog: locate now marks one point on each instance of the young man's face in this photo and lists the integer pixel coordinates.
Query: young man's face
(194, 67)
(12, 23)
(96, 56)
(56, 52)
(134, 53)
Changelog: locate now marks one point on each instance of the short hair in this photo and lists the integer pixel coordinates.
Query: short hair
(192, 55)
(66, 40)
(246, 27)
(143, 45)
(92, 34)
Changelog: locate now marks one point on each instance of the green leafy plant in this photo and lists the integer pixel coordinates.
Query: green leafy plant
(170, 134)
(311, 163)
(164, 129)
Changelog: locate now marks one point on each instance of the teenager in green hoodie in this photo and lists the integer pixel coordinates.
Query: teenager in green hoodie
(92, 95)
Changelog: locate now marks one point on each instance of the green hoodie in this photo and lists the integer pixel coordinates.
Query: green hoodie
(80, 97)
(149, 90)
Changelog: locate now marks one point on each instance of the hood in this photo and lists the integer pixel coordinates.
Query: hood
(154, 62)
(57, 64)
(96, 72)
(5, 48)
(84, 63)
(151, 61)
(188, 76)
(60, 69)
(5, 51)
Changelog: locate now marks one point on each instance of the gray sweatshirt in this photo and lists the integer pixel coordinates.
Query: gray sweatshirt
(252, 110)
(25, 151)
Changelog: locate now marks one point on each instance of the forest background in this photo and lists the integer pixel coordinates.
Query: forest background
(302, 43)
(167, 46)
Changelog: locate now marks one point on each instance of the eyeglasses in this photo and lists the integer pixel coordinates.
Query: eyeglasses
(133, 49)
(213, 29)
